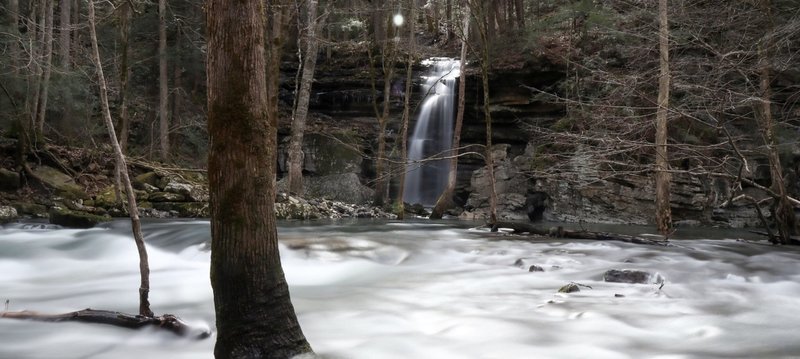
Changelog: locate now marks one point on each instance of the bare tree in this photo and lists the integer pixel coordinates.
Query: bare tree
(445, 200)
(412, 21)
(133, 211)
(163, 82)
(662, 176)
(44, 84)
(64, 32)
(304, 93)
(255, 316)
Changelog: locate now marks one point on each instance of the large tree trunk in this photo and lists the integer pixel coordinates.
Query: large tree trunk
(520, 8)
(64, 33)
(445, 200)
(662, 176)
(400, 205)
(163, 85)
(304, 94)
(255, 316)
(133, 211)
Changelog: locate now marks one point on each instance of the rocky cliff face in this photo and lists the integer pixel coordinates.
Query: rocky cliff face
(343, 101)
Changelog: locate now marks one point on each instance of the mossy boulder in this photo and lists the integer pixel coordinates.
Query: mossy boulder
(64, 185)
(148, 178)
(34, 210)
(75, 219)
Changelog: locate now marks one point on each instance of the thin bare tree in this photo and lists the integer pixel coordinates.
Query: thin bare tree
(133, 210)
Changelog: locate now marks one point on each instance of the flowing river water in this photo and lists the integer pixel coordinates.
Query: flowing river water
(415, 290)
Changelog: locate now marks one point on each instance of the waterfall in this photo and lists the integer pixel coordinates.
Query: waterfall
(433, 133)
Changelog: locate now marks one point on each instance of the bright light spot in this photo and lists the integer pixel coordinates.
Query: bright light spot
(398, 20)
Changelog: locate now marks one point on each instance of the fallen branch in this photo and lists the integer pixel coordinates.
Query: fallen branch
(168, 322)
(560, 232)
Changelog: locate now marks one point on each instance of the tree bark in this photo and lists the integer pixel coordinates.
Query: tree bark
(662, 176)
(304, 94)
(520, 8)
(64, 33)
(445, 200)
(255, 316)
(133, 210)
(163, 83)
(400, 205)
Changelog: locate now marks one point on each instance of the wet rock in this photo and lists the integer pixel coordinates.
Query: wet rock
(7, 214)
(166, 197)
(569, 288)
(627, 276)
(535, 268)
(75, 219)
(184, 209)
(416, 209)
(9, 180)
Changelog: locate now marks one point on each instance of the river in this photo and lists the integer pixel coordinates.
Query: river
(415, 290)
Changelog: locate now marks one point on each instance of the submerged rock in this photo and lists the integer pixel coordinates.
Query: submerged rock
(569, 288)
(627, 276)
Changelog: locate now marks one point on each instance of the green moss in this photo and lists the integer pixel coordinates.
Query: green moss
(75, 219)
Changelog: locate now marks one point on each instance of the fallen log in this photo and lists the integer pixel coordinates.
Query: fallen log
(168, 322)
(560, 232)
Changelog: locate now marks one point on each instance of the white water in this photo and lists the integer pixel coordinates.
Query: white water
(433, 133)
(415, 290)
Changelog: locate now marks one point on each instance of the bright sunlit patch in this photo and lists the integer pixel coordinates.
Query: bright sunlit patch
(398, 20)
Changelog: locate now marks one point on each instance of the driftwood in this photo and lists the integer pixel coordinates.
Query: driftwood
(560, 232)
(793, 239)
(168, 322)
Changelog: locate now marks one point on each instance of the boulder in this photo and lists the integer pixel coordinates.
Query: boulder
(9, 180)
(191, 192)
(7, 214)
(148, 178)
(75, 219)
(64, 185)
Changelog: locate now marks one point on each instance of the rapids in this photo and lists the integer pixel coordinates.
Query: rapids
(440, 290)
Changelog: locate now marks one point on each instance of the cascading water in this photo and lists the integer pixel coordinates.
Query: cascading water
(433, 133)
